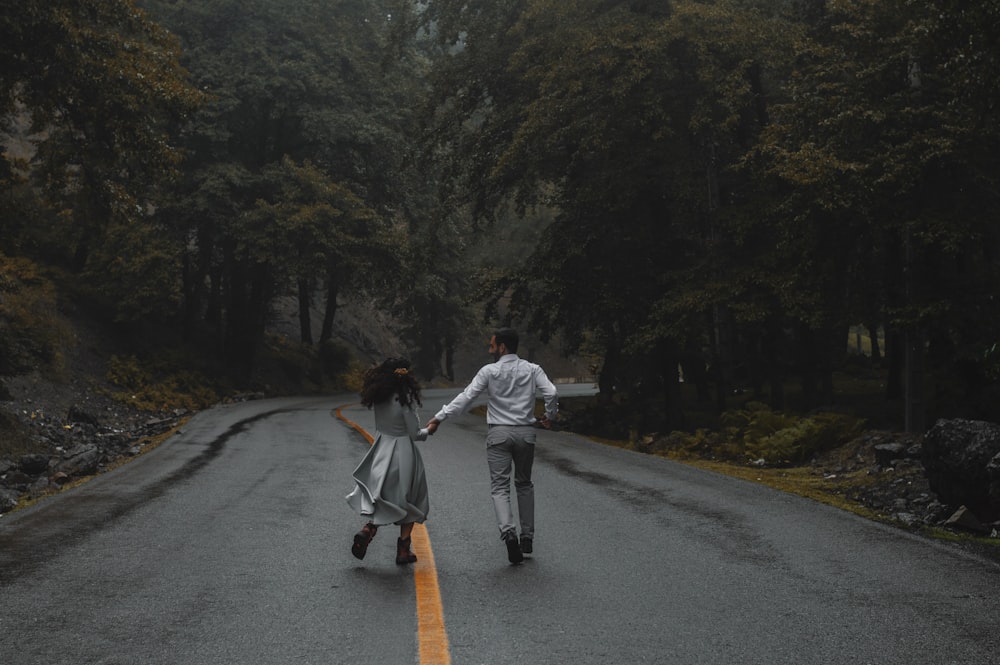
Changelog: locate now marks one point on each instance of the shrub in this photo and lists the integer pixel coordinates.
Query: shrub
(780, 439)
(150, 390)
(31, 333)
(334, 359)
(757, 433)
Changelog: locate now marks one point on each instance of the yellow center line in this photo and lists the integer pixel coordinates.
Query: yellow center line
(431, 634)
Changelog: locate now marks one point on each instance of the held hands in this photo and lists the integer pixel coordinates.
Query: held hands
(432, 425)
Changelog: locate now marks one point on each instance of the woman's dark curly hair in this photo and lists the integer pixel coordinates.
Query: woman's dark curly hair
(392, 378)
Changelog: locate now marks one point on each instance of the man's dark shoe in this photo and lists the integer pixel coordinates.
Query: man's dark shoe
(526, 544)
(514, 554)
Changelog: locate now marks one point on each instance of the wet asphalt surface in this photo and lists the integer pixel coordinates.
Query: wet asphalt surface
(230, 544)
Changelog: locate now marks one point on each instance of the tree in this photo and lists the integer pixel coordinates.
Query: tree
(619, 116)
(316, 229)
(882, 182)
(102, 86)
(305, 81)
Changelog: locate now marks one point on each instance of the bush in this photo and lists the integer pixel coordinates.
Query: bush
(15, 439)
(759, 435)
(334, 359)
(150, 390)
(31, 333)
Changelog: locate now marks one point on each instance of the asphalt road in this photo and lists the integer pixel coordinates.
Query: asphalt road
(230, 544)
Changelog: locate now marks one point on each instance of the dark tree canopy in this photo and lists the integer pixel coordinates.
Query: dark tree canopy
(720, 186)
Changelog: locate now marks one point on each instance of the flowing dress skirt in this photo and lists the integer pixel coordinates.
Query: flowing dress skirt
(390, 484)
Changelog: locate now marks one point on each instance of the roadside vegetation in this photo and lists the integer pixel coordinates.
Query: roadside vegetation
(726, 192)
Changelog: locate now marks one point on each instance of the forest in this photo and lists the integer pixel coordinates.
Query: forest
(704, 197)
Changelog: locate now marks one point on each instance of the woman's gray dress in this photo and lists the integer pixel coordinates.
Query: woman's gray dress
(390, 485)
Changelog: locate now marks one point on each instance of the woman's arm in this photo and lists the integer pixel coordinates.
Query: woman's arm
(413, 425)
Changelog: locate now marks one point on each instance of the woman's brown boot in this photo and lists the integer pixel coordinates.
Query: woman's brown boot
(403, 553)
(361, 540)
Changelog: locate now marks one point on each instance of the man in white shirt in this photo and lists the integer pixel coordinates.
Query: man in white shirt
(511, 385)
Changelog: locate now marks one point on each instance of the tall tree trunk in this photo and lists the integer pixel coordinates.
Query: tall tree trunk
(914, 416)
(895, 360)
(192, 302)
(913, 341)
(330, 307)
(246, 317)
(721, 356)
(832, 353)
(674, 407)
(305, 316)
(695, 372)
(876, 358)
(449, 360)
(608, 374)
(774, 348)
(806, 363)
(237, 323)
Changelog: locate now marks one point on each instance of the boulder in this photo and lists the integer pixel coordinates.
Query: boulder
(16, 479)
(81, 461)
(80, 415)
(964, 519)
(887, 453)
(960, 458)
(993, 471)
(8, 500)
(34, 464)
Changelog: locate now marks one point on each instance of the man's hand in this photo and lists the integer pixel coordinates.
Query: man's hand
(545, 422)
(432, 425)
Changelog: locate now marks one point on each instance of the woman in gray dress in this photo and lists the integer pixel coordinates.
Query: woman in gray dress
(390, 485)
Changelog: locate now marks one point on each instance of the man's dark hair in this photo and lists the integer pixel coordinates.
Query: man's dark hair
(508, 337)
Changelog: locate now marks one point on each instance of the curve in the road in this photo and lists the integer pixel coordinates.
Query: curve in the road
(431, 634)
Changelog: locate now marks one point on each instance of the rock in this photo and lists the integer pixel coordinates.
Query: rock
(17, 479)
(993, 471)
(886, 453)
(8, 500)
(83, 461)
(907, 519)
(964, 519)
(34, 464)
(79, 415)
(39, 488)
(934, 512)
(959, 459)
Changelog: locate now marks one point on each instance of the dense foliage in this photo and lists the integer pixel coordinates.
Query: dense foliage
(741, 182)
(718, 188)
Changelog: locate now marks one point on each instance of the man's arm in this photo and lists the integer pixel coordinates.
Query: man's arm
(461, 401)
(550, 396)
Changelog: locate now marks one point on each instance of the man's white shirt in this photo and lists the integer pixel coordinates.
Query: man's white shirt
(511, 385)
